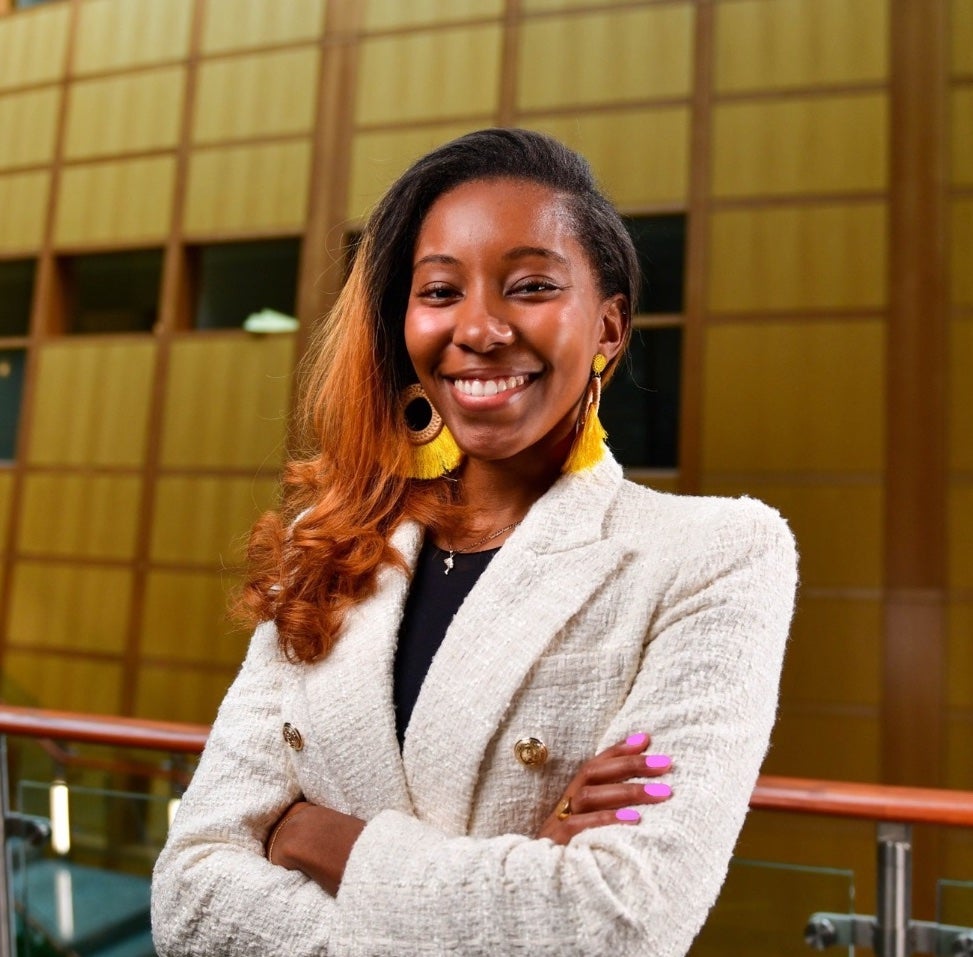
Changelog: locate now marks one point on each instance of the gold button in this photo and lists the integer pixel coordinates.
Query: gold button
(293, 737)
(531, 751)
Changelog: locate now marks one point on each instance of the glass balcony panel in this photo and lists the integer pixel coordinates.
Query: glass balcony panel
(93, 897)
(756, 917)
(954, 908)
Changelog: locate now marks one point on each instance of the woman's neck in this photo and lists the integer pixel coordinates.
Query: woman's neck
(499, 493)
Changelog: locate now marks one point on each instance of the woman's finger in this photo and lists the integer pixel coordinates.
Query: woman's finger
(613, 797)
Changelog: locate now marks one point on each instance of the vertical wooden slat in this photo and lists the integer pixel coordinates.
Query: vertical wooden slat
(175, 308)
(913, 741)
(697, 241)
(507, 103)
(321, 269)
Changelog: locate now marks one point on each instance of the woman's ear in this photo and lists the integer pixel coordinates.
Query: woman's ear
(615, 320)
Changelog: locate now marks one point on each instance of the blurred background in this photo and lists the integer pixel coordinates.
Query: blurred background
(797, 175)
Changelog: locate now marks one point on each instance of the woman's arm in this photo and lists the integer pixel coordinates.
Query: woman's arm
(318, 840)
(213, 890)
(707, 688)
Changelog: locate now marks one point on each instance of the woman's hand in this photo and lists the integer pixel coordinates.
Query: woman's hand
(602, 791)
(315, 840)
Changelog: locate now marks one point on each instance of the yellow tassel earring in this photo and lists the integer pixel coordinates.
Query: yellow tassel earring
(589, 442)
(434, 450)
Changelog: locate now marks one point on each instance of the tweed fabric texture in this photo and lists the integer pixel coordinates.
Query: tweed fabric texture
(612, 609)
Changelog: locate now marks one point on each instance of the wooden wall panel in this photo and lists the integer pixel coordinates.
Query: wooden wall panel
(960, 411)
(33, 45)
(961, 142)
(794, 396)
(959, 656)
(248, 189)
(66, 683)
(265, 94)
(389, 14)
(207, 520)
(120, 114)
(239, 24)
(834, 654)
(81, 607)
(129, 201)
(186, 619)
(94, 516)
(813, 257)
(546, 6)
(961, 253)
(378, 158)
(961, 36)
(779, 44)
(180, 694)
(832, 144)
(23, 199)
(117, 34)
(959, 767)
(28, 125)
(805, 742)
(960, 525)
(91, 403)
(6, 501)
(226, 402)
(838, 527)
(441, 74)
(611, 57)
(659, 138)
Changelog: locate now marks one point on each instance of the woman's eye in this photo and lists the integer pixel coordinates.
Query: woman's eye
(439, 291)
(535, 286)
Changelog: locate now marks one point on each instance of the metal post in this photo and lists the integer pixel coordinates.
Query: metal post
(8, 933)
(894, 890)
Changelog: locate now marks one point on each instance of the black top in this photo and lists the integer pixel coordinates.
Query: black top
(434, 598)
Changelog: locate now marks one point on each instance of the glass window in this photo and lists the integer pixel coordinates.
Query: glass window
(11, 388)
(237, 279)
(640, 407)
(661, 244)
(16, 291)
(113, 292)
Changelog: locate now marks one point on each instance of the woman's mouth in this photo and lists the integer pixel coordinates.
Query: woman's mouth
(489, 387)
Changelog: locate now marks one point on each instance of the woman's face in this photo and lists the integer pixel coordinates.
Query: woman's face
(504, 318)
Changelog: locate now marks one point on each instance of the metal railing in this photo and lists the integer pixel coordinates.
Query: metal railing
(890, 933)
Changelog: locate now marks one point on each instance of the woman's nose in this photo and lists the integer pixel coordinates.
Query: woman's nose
(481, 324)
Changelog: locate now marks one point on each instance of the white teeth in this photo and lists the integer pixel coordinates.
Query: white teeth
(487, 387)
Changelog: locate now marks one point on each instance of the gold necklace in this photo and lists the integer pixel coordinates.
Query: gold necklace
(448, 560)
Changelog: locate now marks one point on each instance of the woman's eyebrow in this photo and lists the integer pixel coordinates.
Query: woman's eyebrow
(520, 252)
(438, 258)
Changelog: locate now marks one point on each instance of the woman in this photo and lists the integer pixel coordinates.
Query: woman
(369, 790)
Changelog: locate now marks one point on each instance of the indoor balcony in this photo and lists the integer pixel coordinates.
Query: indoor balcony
(88, 800)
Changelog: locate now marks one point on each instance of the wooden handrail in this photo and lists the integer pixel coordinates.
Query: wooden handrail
(873, 802)
(849, 799)
(103, 729)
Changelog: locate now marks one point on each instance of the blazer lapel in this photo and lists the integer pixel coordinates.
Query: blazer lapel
(349, 695)
(551, 565)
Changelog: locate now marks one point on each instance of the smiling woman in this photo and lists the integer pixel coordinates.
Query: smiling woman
(472, 628)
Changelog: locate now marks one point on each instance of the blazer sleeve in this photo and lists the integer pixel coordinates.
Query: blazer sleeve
(707, 691)
(213, 891)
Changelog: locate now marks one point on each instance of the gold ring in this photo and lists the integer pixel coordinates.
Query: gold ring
(563, 809)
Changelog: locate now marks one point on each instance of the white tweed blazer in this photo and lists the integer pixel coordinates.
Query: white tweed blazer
(612, 609)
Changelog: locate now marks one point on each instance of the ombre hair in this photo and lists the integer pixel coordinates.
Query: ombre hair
(320, 555)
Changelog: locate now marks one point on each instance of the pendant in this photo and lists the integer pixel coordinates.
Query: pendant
(448, 562)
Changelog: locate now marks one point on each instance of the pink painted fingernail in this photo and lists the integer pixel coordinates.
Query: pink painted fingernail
(656, 761)
(639, 740)
(628, 814)
(658, 790)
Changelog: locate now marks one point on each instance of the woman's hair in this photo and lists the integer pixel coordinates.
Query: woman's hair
(320, 555)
